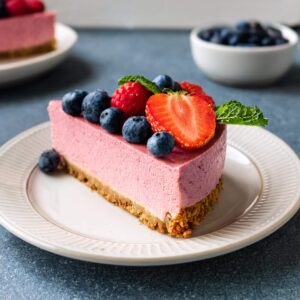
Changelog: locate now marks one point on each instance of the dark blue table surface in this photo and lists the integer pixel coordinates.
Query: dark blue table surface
(269, 269)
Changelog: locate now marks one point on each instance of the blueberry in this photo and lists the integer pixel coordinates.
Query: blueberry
(253, 40)
(261, 33)
(281, 41)
(274, 32)
(267, 41)
(243, 36)
(205, 34)
(93, 105)
(243, 25)
(136, 130)
(49, 161)
(111, 119)
(217, 29)
(163, 82)
(216, 39)
(160, 144)
(225, 34)
(3, 10)
(234, 40)
(72, 101)
(176, 86)
(256, 25)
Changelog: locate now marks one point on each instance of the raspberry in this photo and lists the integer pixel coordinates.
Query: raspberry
(35, 5)
(16, 7)
(131, 98)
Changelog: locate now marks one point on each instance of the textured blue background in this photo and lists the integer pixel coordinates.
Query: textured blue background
(269, 269)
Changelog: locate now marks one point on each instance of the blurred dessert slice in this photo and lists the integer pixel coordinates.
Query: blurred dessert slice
(25, 28)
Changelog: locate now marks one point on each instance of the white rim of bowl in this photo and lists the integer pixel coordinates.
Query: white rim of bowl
(288, 33)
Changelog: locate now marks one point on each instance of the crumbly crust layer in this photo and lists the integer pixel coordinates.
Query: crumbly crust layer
(179, 226)
(25, 52)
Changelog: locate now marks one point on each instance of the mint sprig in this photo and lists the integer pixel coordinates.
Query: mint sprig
(148, 84)
(234, 112)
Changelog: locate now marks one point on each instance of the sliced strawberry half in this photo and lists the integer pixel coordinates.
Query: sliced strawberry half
(196, 90)
(188, 118)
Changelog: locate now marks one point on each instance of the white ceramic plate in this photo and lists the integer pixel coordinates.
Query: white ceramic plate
(61, 215)
(15, 70)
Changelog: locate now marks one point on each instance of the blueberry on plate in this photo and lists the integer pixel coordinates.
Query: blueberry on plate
(3, 10)
(176, 86)
(49, 161)
(72, 102)
(111, 119)
(136, 130)
(267, 41)
(93, 105)
(163, 82)
(160, 144)
(281, 41)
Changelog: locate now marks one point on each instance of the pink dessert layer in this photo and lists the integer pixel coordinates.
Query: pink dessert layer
(26, 31)
(179, 180)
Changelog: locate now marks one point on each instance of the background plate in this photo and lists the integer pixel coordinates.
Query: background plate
(15, 70)
(61, 215)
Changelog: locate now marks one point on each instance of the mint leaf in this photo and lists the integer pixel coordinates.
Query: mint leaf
(234, 112)
(148, 84)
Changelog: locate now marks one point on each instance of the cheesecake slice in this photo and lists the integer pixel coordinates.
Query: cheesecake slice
(26, 35)
(169, 194)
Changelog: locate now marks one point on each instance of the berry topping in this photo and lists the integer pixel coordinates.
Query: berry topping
(3, 10)
(187, 118)
(160, 144)
(16, 7)
(163, 82)
(35, 5)
(176, 86)
(136, 130)
(192, 89)
(72, 101)
(93, 104)
(196, 90)
(131, 98)
(111, 119)
(49, 161)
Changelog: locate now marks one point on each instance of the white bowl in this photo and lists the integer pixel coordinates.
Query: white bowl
(244, 66)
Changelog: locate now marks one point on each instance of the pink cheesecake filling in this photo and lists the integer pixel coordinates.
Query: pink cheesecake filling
(160, 185)
(26, 31)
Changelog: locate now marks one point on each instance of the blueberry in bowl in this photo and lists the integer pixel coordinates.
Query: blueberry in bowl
(249, 53)
(243, 34)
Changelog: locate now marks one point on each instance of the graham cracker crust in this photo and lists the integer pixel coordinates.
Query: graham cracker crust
(179, 226)
(50, 46)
